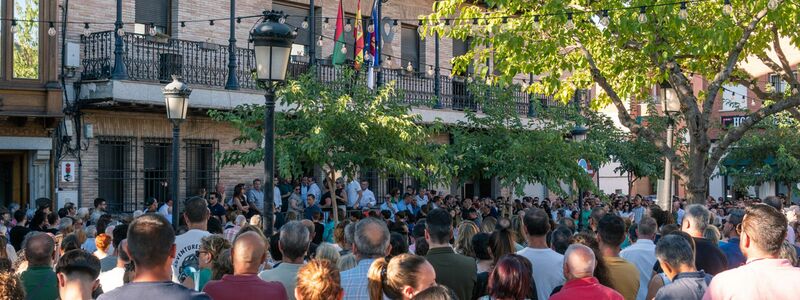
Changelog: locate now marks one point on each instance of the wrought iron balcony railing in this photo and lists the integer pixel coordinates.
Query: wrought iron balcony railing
(155, 59)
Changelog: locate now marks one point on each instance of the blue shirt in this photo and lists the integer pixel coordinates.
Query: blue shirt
(733, 253)
(686, 285)
(354, 281)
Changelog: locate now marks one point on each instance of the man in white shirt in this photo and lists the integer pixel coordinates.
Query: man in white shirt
(196, 215)
(642, 254)
(255, 195)
(313, 188)
(366, 198)
(353, 190)
(166, 210)
(638, 209)
(422, 197)
(276, 195)
(548, 265)
(113, 278)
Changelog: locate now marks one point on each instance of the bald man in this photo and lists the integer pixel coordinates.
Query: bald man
(248, 253)
(579, 264)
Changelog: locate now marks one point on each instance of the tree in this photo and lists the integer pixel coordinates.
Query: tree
(26, 40)
(637, 157)
(568, 45)
(498, 143)
(772, 153)
(340, 125)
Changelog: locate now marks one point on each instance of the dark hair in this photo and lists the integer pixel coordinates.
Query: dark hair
(436, 292)
(98, 201)
(480, 246)
(419, 230)
(38, 218)
(39, 248)
(196, 209)
(501, 242)
(399, 244)
(536, 222)
(611, 229)
(421, 246)
(69, 243)
(511, 278)
(150, 239)
(79, 261)
(273, 244)
(238, 190)
(216, 195)
(102, 223)
(766, 226)
(120, 233)
(439, 225)
(601, 270)
(19, 215)
(775, 202)
(560, 239)
(214, 226)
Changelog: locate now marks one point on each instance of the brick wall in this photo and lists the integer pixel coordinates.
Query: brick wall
(154, 125)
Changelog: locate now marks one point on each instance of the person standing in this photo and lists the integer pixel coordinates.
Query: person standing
(39, 279)
(277, 197)
(196, 216)
(255, 195)
(623, 274)
(313, 188)
(765, 275)
(371, 242)
(547, 264)
(17, 233)
(642, 254)
(731, 248)
(709, 257)
(579, 265)
(114, 278)
(293, 244)
(151, 245)
(366, 198)
(216, 208)
(453, 270)
(353, 190)
(166, 210)
(677, 260)
(99, 209)
(248, 253)
(638, 209)
(77, 273)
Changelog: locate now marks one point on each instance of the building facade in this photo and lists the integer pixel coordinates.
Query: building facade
(30, 102)
(123, 142)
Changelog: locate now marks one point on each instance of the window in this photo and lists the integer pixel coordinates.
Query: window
(20, 51)
(156, 12)
(734, 97)
(157, 166)
(201, 167)
(460, 47)
(298, 13)
(412, 47)
(777, 83)
(116, 174)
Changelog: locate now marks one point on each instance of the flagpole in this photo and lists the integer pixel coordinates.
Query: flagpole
(378, 50)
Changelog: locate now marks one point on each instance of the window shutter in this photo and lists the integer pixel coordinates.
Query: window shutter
(410, 47)
(153, 11)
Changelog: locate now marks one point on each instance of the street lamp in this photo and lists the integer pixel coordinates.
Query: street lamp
(579, 133)
(670, 104)
(176, 100)
(272, 41)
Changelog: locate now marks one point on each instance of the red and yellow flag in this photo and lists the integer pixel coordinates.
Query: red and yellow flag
(358, 33)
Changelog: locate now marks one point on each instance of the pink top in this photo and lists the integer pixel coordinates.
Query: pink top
(757, 279)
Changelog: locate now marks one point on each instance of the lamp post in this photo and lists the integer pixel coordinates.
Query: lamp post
(670, 104)
(272, 43)
(176, 97)
(579, 135)
(119, 72)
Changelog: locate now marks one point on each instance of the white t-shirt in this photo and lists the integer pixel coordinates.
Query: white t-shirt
(186, 246)
(276, 196)
(112, 279)
(352, 193)
(367, 199)
(548, 269)
(641, 254)
(165, 211)
(12, 255)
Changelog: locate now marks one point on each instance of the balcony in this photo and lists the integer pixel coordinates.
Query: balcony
(205, 65)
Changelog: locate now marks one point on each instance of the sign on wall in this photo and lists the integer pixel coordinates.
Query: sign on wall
(68, 169)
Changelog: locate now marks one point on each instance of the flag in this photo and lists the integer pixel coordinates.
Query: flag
(358, 34)
(338, 38)
(374, 40)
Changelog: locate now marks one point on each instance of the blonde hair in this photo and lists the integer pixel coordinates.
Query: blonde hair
(389, 276)
(347, 262)
(318, 280)
(255, 221)
(11, 287)
(327, 252)
(711, 233)
(466, 231)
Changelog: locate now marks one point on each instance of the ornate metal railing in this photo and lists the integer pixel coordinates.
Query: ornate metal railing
(200, 63)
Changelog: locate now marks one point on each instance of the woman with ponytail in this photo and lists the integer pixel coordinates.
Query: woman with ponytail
(400, 277)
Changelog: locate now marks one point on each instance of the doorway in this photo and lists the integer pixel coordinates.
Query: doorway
(13, 178)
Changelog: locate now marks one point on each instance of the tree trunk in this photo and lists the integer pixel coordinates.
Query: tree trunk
(332, 189)
(697, 186)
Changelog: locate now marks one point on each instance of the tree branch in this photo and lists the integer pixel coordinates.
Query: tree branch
(735, 134)
(787, 68)
(733, 58)
(625, 117)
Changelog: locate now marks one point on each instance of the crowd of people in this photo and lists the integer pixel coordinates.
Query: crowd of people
(411, 244)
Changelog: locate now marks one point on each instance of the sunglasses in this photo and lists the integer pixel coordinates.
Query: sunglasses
(198, 252)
